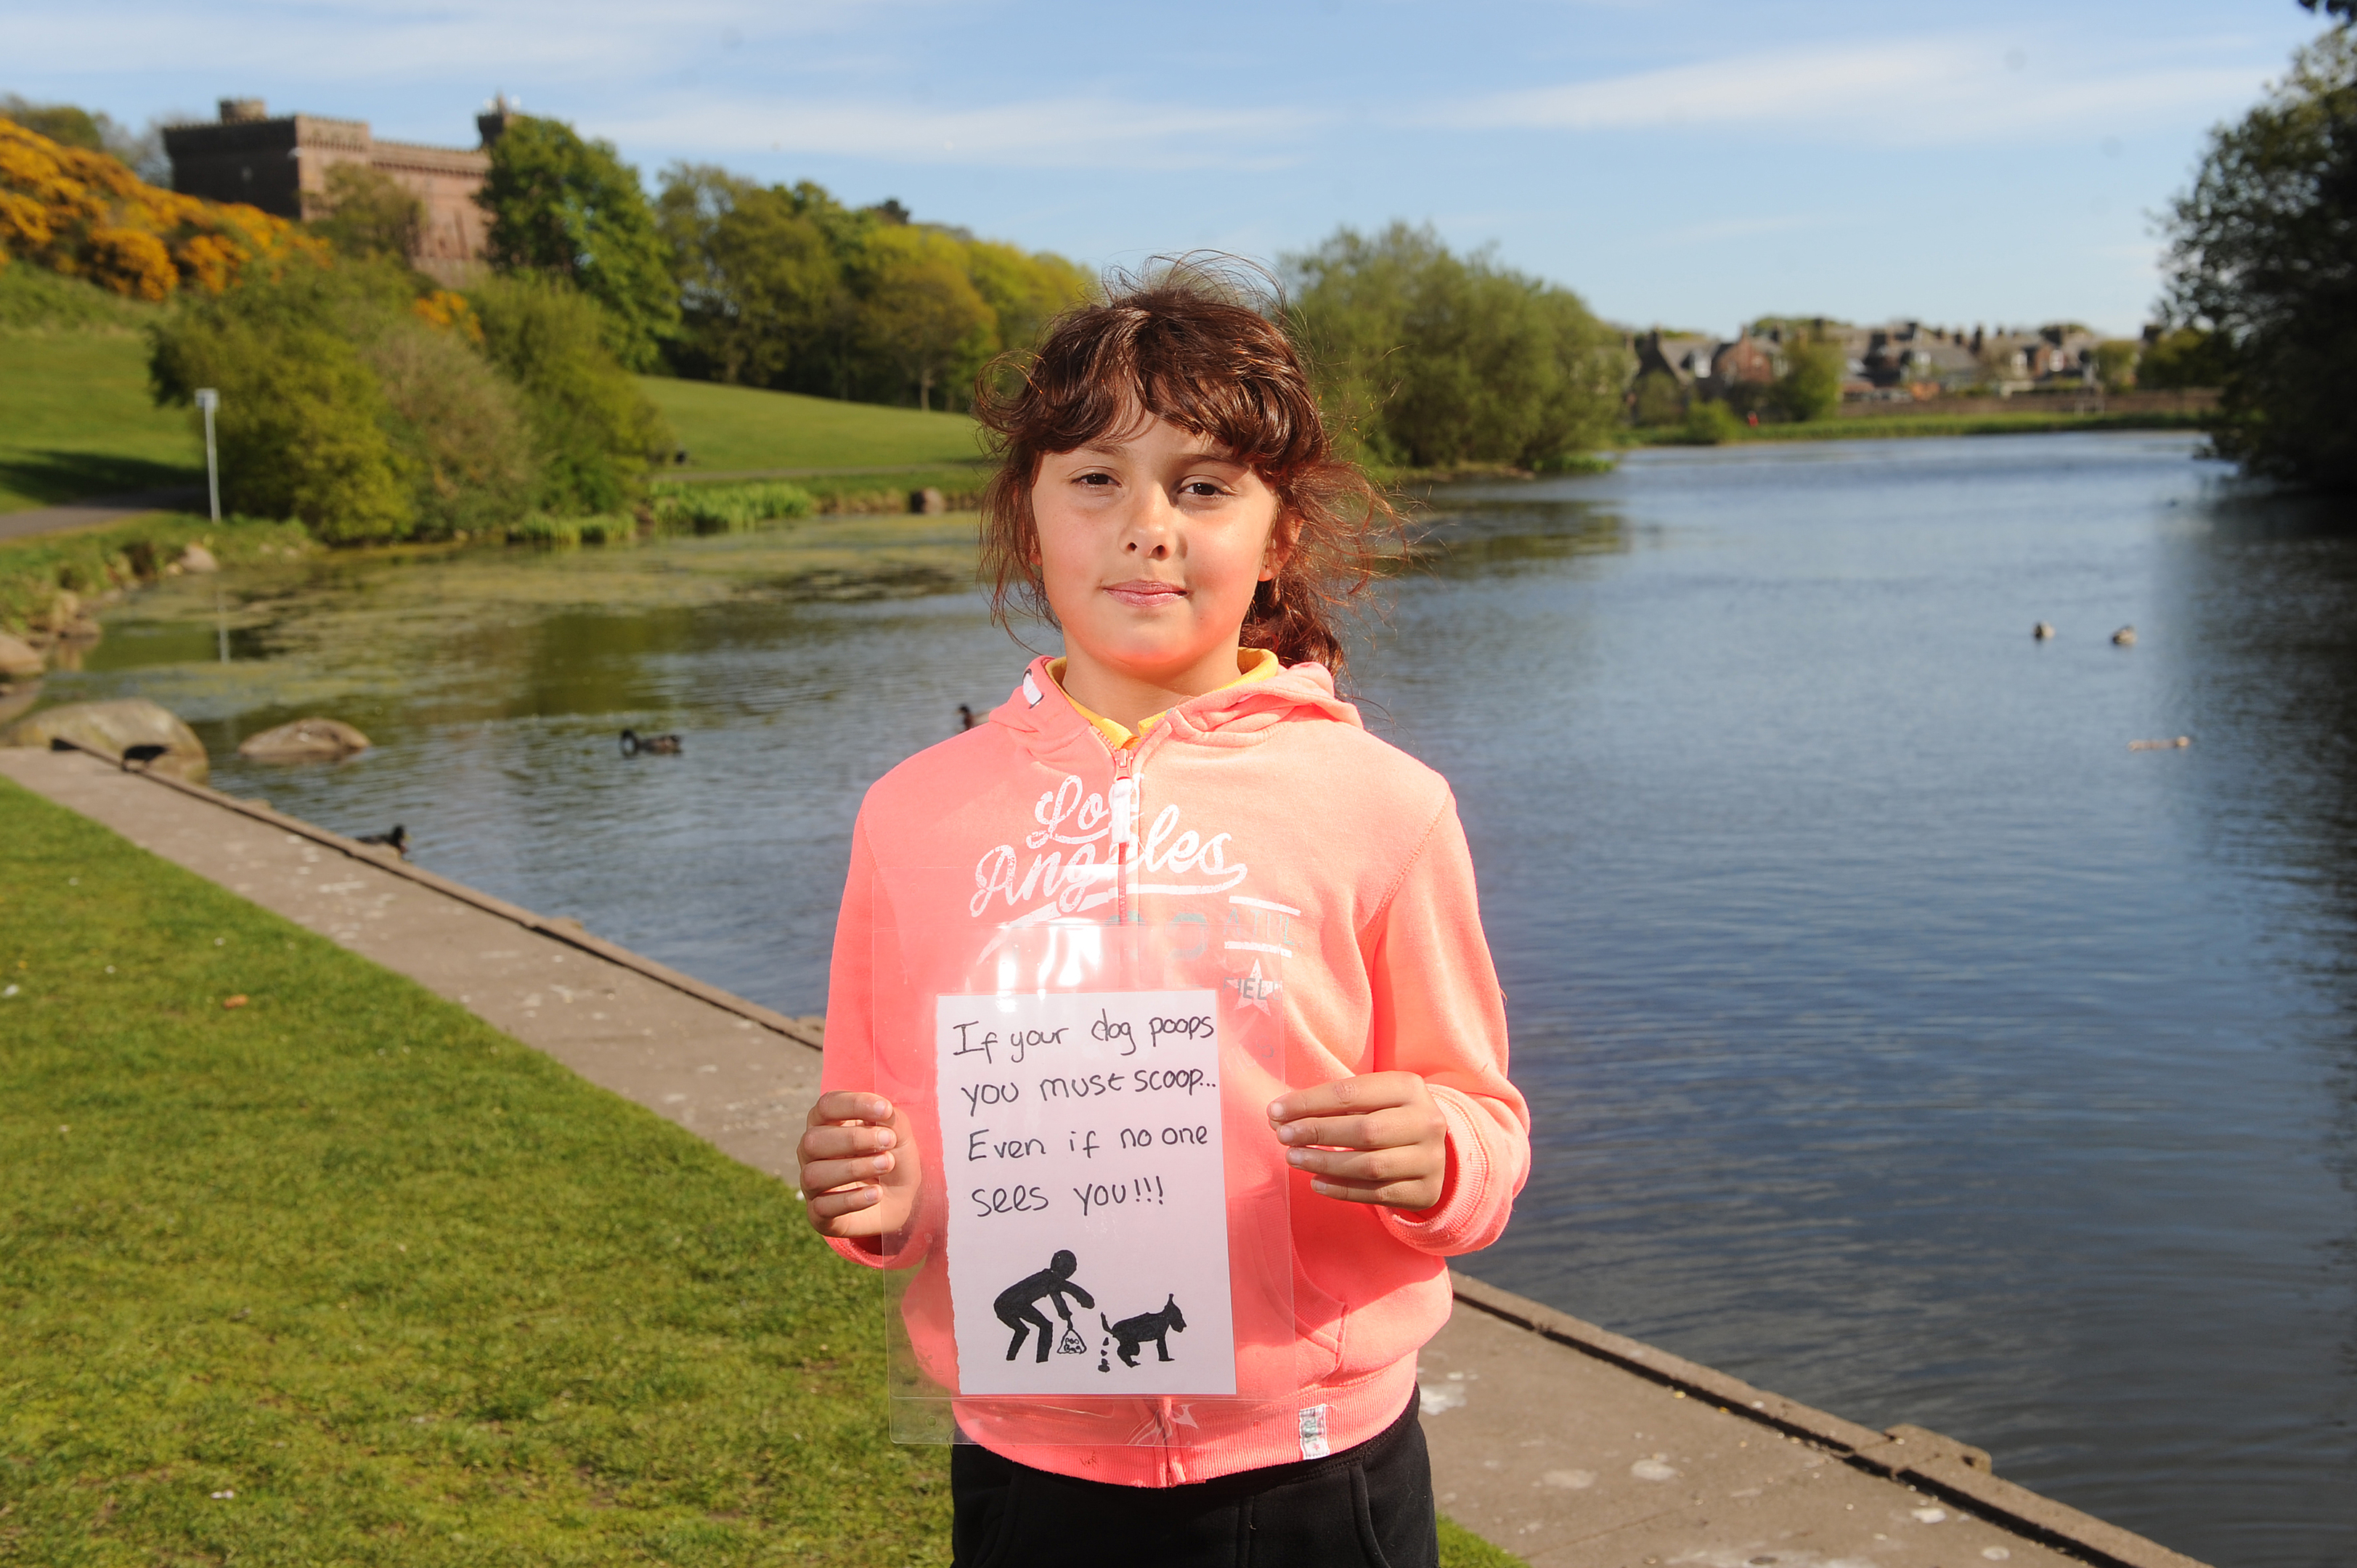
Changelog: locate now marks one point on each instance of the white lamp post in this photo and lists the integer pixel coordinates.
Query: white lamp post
(209, 398)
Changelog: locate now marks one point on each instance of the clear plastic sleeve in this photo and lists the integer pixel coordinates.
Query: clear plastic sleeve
(1100, 1251)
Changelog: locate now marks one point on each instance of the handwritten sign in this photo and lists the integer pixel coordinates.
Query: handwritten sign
(1088, 1231)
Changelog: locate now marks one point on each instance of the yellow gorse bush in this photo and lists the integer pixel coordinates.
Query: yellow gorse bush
(86, 215)
(449, 311)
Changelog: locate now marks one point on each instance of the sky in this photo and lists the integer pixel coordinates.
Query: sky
(1689, 163)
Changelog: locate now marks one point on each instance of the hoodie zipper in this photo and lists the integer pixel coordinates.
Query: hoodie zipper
(1125, 809)
(1124, 827)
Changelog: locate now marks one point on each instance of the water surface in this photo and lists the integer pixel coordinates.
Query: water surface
(1898, 1040)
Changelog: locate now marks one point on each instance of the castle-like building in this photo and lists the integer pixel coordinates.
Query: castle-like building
(280, 164)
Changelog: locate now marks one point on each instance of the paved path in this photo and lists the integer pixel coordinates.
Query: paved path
(726, 1069)
(1571, 1446)
(95, 511)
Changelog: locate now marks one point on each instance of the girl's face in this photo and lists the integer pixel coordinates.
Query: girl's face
(1151, 543)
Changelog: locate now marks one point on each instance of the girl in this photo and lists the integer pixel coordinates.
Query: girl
(1168, 495)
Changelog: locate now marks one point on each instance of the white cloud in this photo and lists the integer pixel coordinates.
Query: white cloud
(1953, 88)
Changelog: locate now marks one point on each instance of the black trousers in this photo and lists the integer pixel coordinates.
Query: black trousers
(1368, 1507)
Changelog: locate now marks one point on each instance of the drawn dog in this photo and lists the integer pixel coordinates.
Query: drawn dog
(1133, 1332)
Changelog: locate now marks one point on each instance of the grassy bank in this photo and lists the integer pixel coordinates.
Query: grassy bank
(414, 1293)
(728, 428)
(344, 1275)
(1900, 426)
(92, 564)
(76, 419)
(866, 494)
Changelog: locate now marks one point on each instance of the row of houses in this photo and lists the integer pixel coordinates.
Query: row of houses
(1899, 361)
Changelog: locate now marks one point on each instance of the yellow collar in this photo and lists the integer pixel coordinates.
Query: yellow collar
(1252, 664)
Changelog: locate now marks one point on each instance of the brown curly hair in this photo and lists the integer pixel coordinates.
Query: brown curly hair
(1193, 345)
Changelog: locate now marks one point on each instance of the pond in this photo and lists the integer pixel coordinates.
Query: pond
(1899, 1039)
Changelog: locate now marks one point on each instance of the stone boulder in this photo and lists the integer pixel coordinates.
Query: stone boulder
(18, 659)
(197, 558)
(305, 740)
(17, 700)
(928, 502)
(110, 727)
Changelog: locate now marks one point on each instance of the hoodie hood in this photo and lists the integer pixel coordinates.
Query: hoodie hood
(1039, 711)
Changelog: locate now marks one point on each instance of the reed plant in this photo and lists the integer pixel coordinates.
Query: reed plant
(728, 508)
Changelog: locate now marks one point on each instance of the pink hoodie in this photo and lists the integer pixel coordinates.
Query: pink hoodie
(1390, 971)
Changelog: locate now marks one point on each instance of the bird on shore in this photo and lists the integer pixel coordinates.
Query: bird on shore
(145, 754)
(659, 745)
(965, 717)
(396, 841)
(2125, 636)
(2042, 632)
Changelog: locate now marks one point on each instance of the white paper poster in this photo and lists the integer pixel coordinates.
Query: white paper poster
(1088, 1229)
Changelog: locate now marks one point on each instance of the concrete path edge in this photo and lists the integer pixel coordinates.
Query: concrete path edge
(564, 930)
(1955, 1471)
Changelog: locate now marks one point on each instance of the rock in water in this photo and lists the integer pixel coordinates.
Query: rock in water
(305, 740)
(18, 657)
(928, 502)
(17, 700)
(110, 727)
(197, 558)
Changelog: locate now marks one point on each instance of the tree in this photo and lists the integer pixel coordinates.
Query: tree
(1025, 292)
(2115, 363)
(301, 423)
(2264, 254)
(595, 431)
(1809, 388)
(352, 404)
(763, 298)
(1657, 400)
(370, 213)
(919, 312)
(2184, 357)
(462, 445)
(1432, 358)
(571, 210)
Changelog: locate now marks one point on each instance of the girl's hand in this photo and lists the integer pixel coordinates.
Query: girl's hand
(858, 1165)
(1375, 1138)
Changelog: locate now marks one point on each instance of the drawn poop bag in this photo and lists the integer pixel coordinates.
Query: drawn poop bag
(1100, 1251)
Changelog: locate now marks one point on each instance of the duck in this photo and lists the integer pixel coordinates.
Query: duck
(145, 754)
(396, 841)
(2042, 632)
(965, 716)
(659, 745)
(2125, 636)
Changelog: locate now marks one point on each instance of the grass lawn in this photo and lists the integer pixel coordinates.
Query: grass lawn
(76, 419)
(413, 1293)
(728, 428)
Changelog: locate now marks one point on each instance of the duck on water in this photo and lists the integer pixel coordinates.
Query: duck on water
(634, 743)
